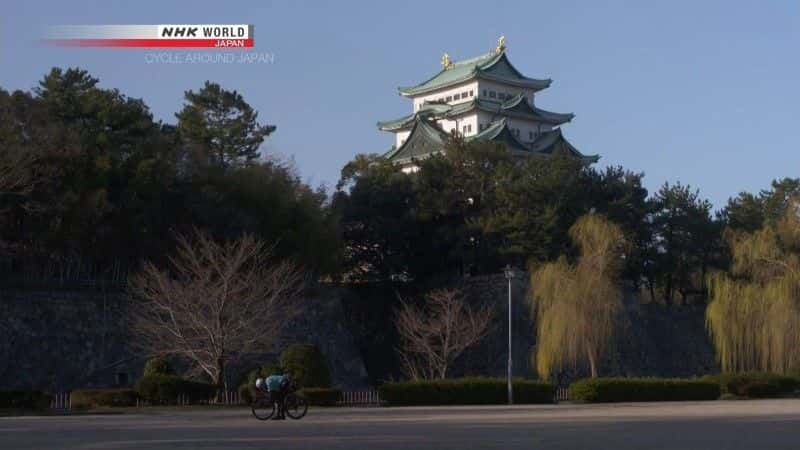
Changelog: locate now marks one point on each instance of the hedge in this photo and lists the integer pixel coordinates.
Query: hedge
(24, 399)
(166, 389)
(755, 384)
(643, 390)
(465, 391)
(321, 396)
(92, 398)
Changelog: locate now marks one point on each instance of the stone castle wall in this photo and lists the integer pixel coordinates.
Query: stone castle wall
(59, 339)
(651, 339)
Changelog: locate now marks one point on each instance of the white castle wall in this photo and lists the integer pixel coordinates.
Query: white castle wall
(443, 94)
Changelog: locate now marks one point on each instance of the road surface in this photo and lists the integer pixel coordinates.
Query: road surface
(761, 425)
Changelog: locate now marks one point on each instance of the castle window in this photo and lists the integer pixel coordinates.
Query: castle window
(449, 98)
(471, 93)
(492, 94)
(484, 92)
(469, 128)
(457, 97)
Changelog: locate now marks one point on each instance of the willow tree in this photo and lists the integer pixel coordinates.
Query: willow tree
(753, 315)
(577, 304)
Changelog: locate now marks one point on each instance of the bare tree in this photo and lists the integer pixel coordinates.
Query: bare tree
(216, 301)
(433, 335)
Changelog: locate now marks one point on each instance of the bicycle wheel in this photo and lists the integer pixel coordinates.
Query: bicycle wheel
(296, 407)
(263, 409)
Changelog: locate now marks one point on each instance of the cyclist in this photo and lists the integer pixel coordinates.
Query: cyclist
(278, 386)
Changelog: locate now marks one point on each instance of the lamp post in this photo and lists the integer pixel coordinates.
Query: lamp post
(509, 273)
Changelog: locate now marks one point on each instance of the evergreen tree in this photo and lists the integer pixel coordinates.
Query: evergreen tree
(220, 128)
(686, 240)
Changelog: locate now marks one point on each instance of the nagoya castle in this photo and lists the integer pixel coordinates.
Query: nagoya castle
(484, 99)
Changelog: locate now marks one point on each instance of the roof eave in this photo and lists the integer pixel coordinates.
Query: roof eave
(528, 83)
(414, 91)
(396, 125)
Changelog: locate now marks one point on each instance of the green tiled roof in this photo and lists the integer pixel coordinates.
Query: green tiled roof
(519, 104)
(553, 143)
(499, 132)
(491, 66)
(426, 138)
(515, 107)
(397, 124)
(428, 110)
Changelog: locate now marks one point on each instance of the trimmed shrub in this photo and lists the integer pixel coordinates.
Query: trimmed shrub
(92, 398)
(24, 399)
(320, 396)
(755, 384)
(307, 365)
(465, 391)
(168, 389)
(597, 390)
(158, 365)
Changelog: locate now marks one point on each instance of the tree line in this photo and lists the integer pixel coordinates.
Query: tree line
(475, 208)
(91, 184)
(87, 175)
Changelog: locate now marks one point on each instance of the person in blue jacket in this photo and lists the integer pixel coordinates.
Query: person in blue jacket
(278, 386)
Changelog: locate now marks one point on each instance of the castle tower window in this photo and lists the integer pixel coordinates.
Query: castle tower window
(492, 94)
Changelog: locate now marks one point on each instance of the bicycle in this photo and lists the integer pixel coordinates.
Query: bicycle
(264, 408)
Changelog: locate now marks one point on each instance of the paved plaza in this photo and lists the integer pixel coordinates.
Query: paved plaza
(756, 424)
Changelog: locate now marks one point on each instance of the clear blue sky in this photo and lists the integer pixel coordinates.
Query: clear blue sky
(705, 93)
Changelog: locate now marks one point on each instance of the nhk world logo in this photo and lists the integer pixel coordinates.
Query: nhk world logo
(152, 36)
